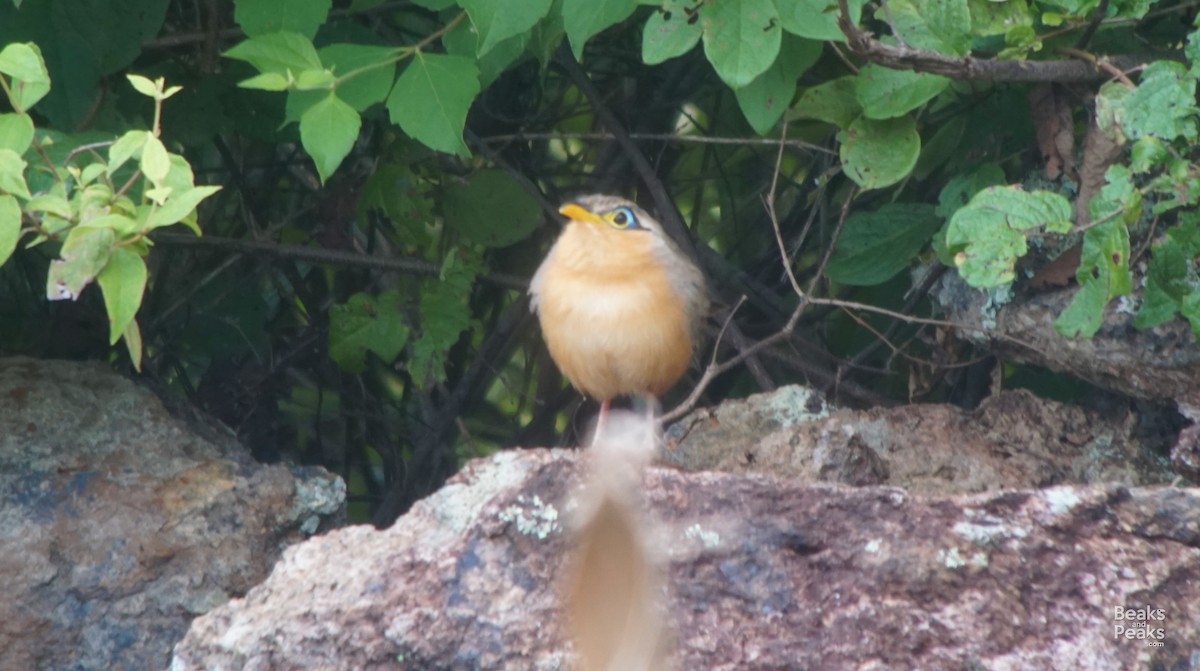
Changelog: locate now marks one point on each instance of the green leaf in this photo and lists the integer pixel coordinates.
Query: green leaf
(1083, 316)
(24, 63)
(764, 100)
(375, 69)
(876, 153)
(959, 191)
(938, 25)
(364, 77)
(50, 203)
(741, 38)
(1157, 307)
(16, 132)
(1119, 194)
(159, 194)
(1133, 9)
(179, 205)
(1191, 50)
(1105, 257)
(91, 172)
(180, 177)
(1163, 105)
(267, 81)
(584, 18)
(945, 144)
(126, 147)
(1189, 307)
(1110, 108)
(498, 20)
(143, 85)
(1019, 42)
(315, 80)
(328, 130)
(123, 280)
(445, 315)
(1146, 154)
(816, 19)
(84, 254)
(121, 225)
(544, 38)
(12, 174)
(462, 41)
(671, 31)
(1166, 281)
(280, 53)
(259, 17)
(404, 199)
(989, 18)
(10, 226)
(834, 101)
(81, 42)
(875, 246)
(364, 324)
(885, 93)
(155, 162)
(133, 343)
(431, 99)
(491, 209)
(990, 233)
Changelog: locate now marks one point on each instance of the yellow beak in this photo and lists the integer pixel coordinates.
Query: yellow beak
(577, 212)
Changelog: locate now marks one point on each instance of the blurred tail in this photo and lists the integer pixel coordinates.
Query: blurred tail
(613, 589)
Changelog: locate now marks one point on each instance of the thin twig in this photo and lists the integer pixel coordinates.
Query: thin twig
(328, 256)
(661, 137)
(1098, 15)
(1099, 62)
(713, 370)
(838, 303)
(837, 232)
(774, 216)
(725, 325)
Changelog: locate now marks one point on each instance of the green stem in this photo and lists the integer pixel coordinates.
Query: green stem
(158, 103)
(8, 92)
(403, 52)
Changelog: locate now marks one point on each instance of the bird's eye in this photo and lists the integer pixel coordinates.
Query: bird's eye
(623, 218)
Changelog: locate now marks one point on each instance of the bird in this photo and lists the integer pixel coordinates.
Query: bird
(621, 307)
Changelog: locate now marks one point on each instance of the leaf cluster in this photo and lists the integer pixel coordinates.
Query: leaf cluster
(99, 212)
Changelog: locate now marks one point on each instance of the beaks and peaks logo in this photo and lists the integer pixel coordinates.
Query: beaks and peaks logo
(1140, 624)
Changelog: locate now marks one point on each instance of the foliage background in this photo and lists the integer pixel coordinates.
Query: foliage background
(391, 172)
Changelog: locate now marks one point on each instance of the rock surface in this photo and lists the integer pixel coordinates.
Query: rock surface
(1014, 440)
(762, 574)
(120, 524)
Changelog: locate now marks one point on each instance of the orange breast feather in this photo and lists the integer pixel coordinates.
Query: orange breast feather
(611, 319)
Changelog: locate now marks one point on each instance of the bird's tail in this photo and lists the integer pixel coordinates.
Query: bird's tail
(614, 586)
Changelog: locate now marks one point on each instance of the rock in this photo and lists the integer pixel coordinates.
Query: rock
(1014, 440)
(762, 574)
(120, 524)
(1162, 363)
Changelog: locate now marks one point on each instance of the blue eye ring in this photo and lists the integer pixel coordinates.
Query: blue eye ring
(623, 217)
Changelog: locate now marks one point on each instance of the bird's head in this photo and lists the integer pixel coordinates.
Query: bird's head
(609, 212)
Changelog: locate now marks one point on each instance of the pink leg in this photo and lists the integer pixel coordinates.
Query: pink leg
(600, 420)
